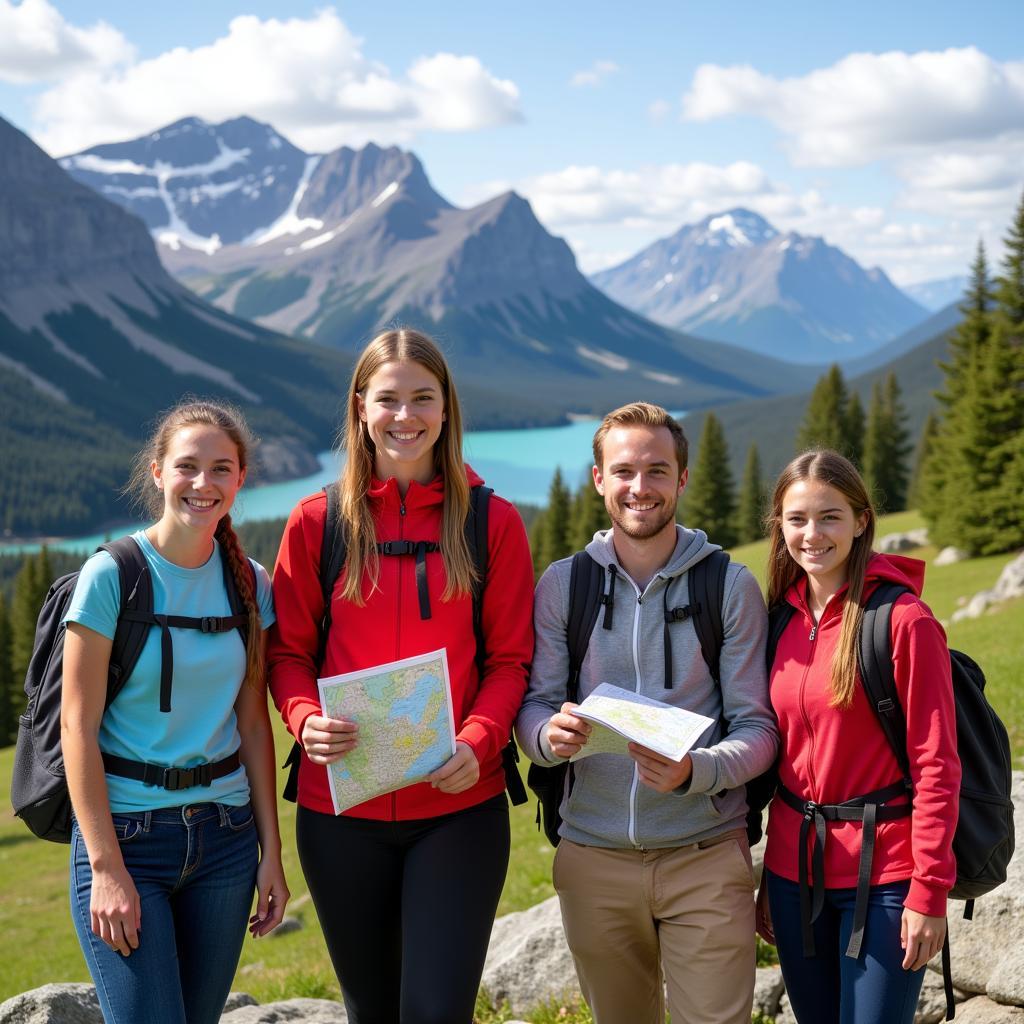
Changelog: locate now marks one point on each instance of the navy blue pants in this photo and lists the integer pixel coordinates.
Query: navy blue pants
(407, 907)
(195, 871)
(830, 987)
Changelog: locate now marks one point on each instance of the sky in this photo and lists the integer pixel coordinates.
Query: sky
(894, 130)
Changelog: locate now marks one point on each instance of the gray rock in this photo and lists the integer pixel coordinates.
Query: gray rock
(768, 990)
(949, 556)
(975, 607)
(981, 1010)
(236, 1000)
(1011, 580)
(892, 543)
(931, 1007)
(785, 1014)
(307, 1011)
(528, 961)
(53, 1004)
(288, 925)
(1006, 984)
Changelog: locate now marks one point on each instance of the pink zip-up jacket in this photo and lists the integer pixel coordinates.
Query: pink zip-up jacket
(830, 755)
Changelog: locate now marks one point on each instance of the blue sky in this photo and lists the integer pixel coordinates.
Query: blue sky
(895, 130)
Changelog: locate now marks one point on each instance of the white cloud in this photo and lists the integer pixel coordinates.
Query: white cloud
(871, 106)
(38, 45)
(308, 77)
(607, 215)
(594, 75)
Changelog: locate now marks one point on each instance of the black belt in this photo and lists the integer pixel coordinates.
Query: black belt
(170, 778)
(868, 810)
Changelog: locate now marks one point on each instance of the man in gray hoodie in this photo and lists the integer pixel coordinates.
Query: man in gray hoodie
(653, 869)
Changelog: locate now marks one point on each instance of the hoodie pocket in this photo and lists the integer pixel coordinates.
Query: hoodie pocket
(713, 803)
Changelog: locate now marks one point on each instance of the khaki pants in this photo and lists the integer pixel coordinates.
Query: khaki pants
(689, 909)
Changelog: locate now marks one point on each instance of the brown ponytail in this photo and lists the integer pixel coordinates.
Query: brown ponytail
(241, 570)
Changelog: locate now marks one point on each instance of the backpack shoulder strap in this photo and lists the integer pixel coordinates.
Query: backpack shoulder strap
(778, 619)
(707, 593)
(586, 586)
(136, 596)
(334, 547)
(874, 660)
(476, 540)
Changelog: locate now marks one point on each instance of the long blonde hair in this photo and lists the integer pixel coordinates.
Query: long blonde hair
(835, 470)
(403, 345)
(140, 487)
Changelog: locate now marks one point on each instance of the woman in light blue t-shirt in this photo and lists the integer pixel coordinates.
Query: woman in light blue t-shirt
(164, 863)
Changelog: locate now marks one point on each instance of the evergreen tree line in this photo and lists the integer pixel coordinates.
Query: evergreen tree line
(973, 459)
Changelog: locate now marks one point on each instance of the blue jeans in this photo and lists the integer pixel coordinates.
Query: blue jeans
(830, 987)
(195, 871)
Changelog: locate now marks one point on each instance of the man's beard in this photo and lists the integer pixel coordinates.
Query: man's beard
(639, 530)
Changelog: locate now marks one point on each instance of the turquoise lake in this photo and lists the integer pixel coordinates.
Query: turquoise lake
(518, 464)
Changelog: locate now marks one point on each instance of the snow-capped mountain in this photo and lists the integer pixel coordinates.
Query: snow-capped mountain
(96, 338)
(365, 240)
(733, 277)
(199, 185)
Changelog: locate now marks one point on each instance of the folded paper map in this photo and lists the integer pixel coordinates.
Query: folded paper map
(406, 726)
(620, 717)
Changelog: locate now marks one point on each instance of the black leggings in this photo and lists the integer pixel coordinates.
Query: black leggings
(407, 907)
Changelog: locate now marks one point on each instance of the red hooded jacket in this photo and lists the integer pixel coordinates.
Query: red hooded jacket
(388, 627)
(834, 754)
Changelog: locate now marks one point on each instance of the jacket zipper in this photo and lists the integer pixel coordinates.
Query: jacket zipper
(812, 638)
(398, 626)
(635, 783)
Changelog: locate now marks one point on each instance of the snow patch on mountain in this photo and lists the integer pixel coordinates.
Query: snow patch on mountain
(604, 357)
(290, 223)
(385, 195)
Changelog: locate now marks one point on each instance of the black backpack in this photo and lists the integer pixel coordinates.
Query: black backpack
(550, 783)
(334, 550)
(984, 839)
(39, 792)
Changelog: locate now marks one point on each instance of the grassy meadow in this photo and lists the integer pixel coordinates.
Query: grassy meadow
(37, 942)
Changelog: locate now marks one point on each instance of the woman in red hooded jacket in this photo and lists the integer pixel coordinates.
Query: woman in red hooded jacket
(405, 885)
(853, 953)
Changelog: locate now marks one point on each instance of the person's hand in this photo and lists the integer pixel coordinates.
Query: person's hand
(272, 894)
(659, 772)
(921, 938)
(325, 740)
(763, 915)
(459, 772)
(115, 909)
(567, 733)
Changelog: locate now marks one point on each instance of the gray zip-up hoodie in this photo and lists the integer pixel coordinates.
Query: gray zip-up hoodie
(608, 805)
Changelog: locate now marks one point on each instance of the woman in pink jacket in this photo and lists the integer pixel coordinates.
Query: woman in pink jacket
(853, 952)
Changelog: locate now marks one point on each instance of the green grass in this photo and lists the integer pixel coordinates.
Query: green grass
(37, 942)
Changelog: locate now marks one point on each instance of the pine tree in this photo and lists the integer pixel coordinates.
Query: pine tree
(971, 495)
(11, 696)
(555, 533)
(854, 426)
(710, 494)
(824, 422)
(588, 515)
(751, 506)
(925, 443)
(29, 591)
(886, 447)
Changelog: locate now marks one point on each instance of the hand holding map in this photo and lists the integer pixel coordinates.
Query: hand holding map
(620, 717)
(406, 726)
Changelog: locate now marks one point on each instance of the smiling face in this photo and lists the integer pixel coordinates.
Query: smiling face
(199, 477)
(640, 480)
(819, 527)
(403, 409)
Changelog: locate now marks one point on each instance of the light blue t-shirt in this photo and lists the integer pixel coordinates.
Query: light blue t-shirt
(208, 672)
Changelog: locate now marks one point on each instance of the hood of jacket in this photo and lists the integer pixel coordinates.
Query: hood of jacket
(691, 547)
(909, 572)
